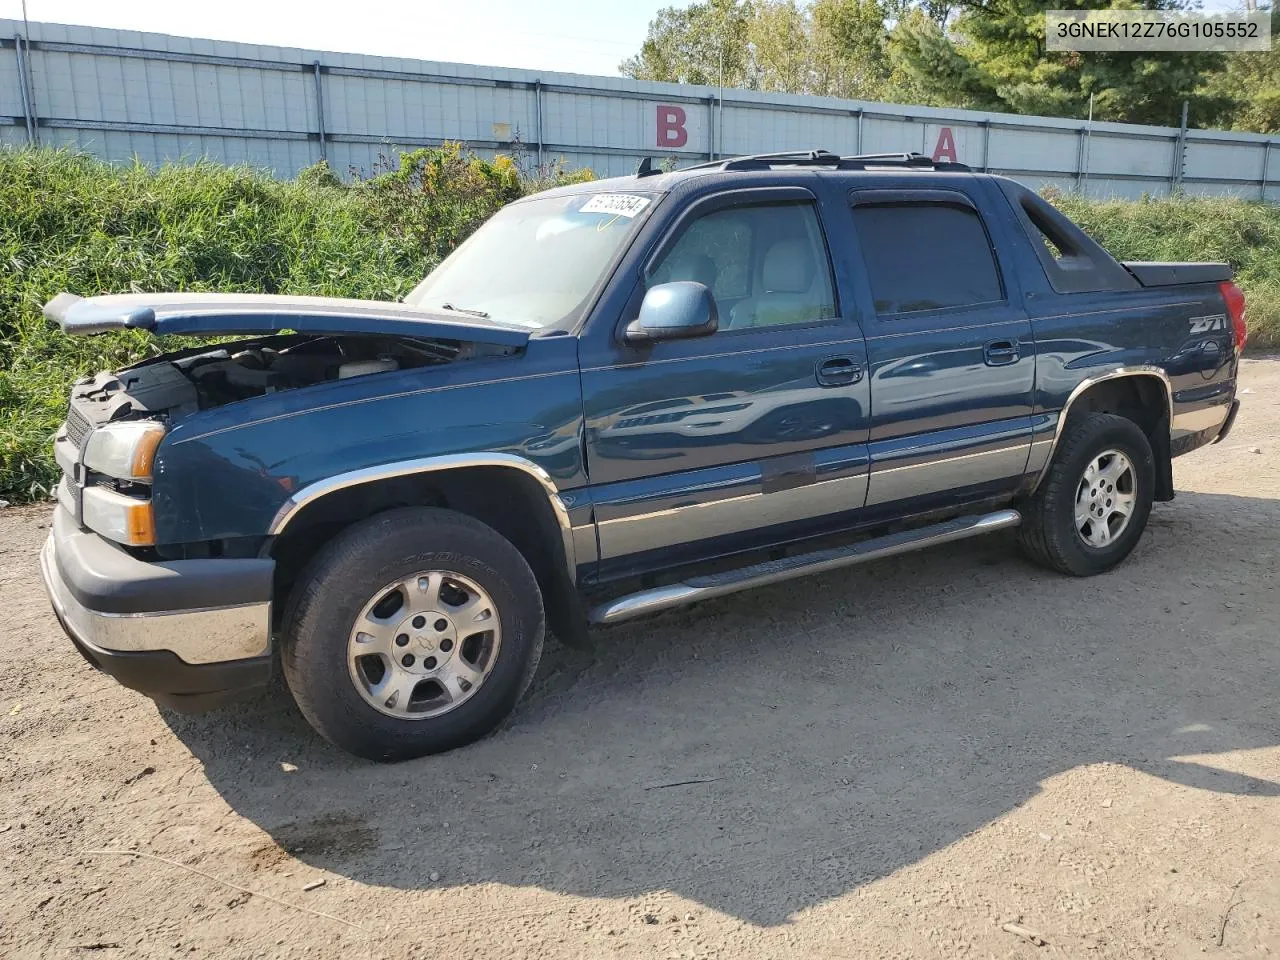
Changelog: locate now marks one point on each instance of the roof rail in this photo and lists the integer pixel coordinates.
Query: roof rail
(825, 158)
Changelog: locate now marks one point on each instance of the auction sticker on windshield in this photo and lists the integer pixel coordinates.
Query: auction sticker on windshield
(619, 204)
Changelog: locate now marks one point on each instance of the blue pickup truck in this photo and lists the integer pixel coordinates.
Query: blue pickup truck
(615, 398)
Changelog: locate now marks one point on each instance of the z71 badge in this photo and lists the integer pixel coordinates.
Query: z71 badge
(1205, 324)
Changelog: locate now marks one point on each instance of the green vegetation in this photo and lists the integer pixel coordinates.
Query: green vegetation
(70, 222)
(1245, 234)
(976, 54)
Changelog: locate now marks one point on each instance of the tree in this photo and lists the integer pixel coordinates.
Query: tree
(994, 56)
(1248, 90)
(781, 59)
(826, 47)
(693, 44)
(850, 48)
(932, 71)
(979, 54)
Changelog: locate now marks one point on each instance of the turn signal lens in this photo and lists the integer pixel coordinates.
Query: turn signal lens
(118, 517)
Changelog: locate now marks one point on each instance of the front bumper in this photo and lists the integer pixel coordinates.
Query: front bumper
(192, 634)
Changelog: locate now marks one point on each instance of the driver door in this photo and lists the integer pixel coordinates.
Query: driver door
(750, 436)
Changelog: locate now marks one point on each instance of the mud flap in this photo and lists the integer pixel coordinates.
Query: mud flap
(566, 616)
(1164, 491)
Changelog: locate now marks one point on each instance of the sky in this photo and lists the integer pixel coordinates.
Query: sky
(566, 35)
(574, 36)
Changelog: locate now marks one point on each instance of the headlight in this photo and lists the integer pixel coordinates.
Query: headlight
(117, 517)
(124, 451)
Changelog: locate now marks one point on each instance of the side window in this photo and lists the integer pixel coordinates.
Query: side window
(765, 264)
(926, 256)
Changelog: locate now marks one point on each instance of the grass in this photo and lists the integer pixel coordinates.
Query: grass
(1245, 234)
(70, 222)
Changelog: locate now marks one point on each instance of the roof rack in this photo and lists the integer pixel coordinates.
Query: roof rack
(825, 158)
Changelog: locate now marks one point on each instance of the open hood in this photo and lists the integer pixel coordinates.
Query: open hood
(214, 314)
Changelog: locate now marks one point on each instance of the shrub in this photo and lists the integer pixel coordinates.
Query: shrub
(1243, 233)
(71, 222)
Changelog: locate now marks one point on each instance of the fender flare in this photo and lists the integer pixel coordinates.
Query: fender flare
(1142, 370)
(402, 468)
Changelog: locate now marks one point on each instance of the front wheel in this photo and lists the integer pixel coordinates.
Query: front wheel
(1091, 508)
(411, 633)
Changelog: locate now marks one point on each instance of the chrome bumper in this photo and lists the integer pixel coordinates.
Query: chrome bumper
(137, 621)
(194, 636)
(190, 661)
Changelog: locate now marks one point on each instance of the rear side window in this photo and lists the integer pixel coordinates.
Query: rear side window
(926, 256)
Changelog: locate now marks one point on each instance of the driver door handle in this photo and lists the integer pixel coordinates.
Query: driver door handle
(839, 371)
(999, 352)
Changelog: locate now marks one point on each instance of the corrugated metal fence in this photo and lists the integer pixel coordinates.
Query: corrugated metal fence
(120, 94)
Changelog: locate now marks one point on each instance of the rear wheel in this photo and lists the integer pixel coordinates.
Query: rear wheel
(413, 632)
(1091, 508)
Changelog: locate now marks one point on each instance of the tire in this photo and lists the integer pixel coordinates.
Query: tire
(1049, 533)
(338, 686)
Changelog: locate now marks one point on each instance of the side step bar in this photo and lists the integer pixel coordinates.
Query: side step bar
(775, 571)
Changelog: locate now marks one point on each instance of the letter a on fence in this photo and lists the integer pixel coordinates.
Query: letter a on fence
(945, 149)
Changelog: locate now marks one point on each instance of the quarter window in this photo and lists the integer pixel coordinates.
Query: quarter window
(765, 264)
(926, 256)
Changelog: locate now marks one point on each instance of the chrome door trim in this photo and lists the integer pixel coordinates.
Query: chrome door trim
(401, 468)
(943, 473)
(752, 508)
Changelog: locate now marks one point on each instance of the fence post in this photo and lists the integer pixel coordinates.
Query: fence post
(1266, 162)
(712, 146)
(858, 148)
(1179, 153)
(537, 125)
(986, 146)
(324, 150)
(25, 91)
(1081, 172)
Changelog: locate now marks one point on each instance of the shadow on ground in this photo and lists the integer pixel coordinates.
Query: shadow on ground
(846, 726)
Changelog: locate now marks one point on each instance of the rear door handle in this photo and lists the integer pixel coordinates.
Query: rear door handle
(999, 352)
(839, 371)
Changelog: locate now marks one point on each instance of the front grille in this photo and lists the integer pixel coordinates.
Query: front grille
(77, 426)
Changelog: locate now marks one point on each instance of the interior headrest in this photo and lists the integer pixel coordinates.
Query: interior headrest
(788, 267)
(695, 266)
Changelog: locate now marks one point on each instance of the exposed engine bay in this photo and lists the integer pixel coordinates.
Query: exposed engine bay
(200, 378)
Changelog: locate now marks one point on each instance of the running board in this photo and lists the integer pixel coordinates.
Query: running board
(775, 571)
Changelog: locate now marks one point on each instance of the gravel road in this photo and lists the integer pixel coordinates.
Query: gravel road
(894, 761)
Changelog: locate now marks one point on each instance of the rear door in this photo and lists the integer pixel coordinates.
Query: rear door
(950, 349)
(753, 435)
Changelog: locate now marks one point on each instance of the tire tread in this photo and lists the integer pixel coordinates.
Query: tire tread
(1042, 536)
(307, 650)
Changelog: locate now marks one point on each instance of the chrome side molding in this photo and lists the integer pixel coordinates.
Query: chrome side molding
(774, 571)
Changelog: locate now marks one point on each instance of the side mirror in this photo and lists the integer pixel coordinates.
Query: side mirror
(674, 311)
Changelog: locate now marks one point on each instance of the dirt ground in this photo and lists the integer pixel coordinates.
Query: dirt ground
(893, 761)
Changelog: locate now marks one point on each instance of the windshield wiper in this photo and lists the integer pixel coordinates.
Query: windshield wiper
(475, 313)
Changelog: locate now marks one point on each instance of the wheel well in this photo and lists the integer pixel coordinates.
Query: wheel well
(1143, 399)
(505, 498)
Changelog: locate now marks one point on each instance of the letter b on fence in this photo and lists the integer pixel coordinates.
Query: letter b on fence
(671, 131)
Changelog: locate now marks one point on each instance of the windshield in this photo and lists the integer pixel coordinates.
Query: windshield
(534, 263)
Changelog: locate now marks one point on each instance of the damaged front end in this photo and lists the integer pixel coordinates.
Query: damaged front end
(116, 420)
